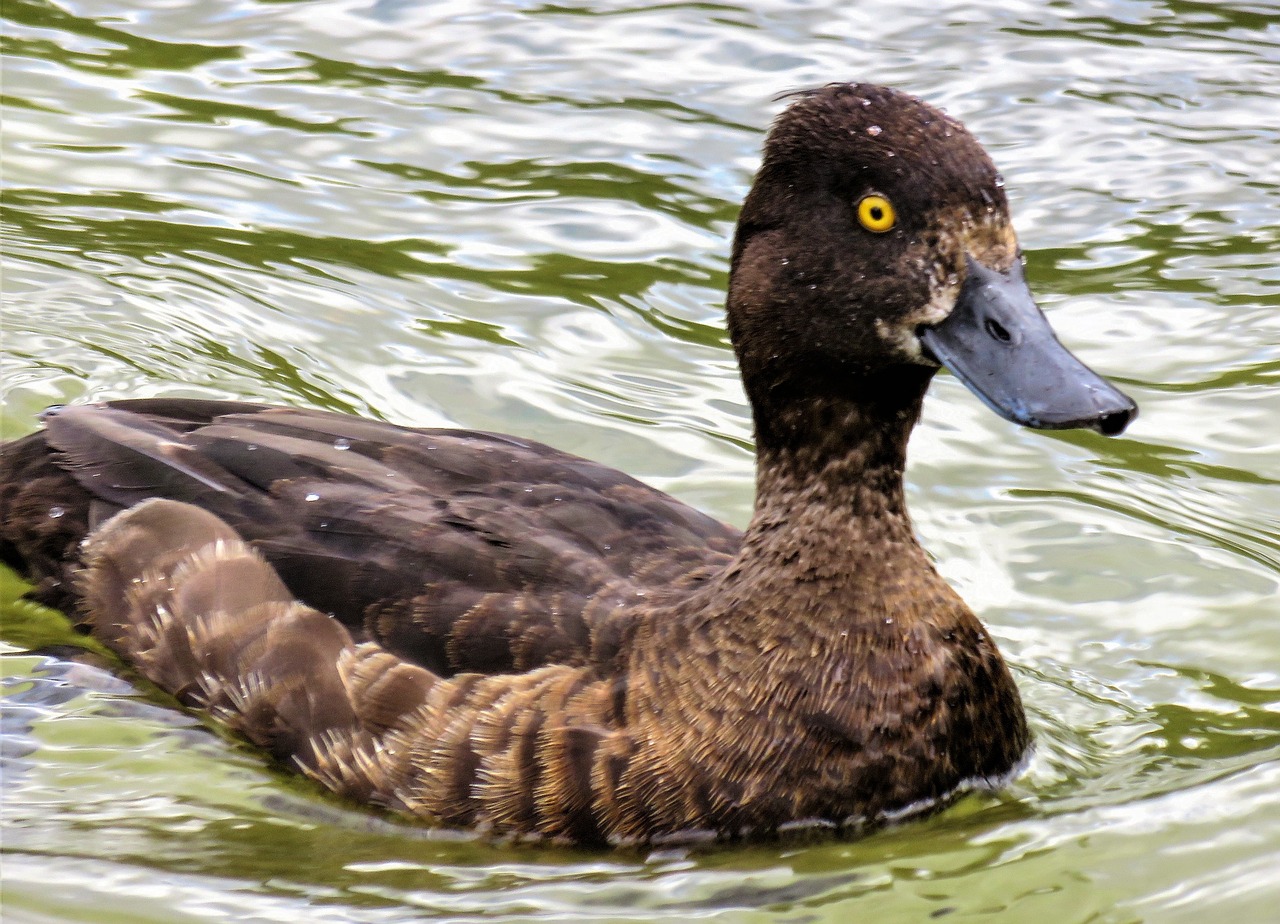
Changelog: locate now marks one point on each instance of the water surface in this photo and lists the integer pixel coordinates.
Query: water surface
(515, 216)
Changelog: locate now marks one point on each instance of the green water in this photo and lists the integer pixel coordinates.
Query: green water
(515, 216)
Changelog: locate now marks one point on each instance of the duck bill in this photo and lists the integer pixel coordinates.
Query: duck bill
(1000, 344)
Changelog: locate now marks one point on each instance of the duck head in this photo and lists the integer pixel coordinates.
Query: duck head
(876, 245)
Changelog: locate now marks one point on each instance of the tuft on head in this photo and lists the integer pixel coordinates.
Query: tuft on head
(850, 135)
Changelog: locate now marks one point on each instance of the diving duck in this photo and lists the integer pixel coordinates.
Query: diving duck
(479, 630)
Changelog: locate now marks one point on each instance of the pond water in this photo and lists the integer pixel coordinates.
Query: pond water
(515, 216)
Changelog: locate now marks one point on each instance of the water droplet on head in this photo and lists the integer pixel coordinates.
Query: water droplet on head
(342, 443)
(312, 496)
(999, 181)
(55, 512)
(874, 130)
(250, 447)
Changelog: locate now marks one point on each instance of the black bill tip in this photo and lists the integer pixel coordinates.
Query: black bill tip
(1115, 422)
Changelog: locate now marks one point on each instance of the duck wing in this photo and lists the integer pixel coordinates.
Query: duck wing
(459, 550)
(180, 596)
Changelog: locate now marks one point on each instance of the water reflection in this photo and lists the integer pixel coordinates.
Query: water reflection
(517, 219)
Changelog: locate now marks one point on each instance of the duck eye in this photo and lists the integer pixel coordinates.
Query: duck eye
(876, 213)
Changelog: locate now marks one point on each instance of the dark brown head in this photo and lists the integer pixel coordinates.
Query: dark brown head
(874, 219)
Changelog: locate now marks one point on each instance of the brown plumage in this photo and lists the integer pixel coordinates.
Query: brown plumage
(483, 631)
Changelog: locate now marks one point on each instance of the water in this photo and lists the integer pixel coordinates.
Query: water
(515, 217)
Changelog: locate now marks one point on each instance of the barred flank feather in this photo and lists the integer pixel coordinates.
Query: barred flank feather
(202, 615)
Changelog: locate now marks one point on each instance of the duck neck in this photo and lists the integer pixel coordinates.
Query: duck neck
(830, 509)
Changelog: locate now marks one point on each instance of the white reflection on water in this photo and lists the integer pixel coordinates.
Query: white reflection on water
(517, 218)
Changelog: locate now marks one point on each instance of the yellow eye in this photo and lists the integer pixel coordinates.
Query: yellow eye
(876, 213)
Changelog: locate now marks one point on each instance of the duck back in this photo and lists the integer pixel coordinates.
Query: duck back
(460, 550)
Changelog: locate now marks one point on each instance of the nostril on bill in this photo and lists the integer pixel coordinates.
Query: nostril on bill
(997, 330)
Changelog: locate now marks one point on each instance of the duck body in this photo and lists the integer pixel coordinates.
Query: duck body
(483, 631)
(612, 664)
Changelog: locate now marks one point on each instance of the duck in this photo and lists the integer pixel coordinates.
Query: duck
(480, 631)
